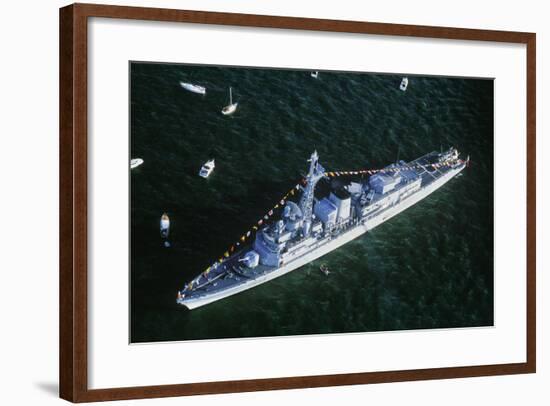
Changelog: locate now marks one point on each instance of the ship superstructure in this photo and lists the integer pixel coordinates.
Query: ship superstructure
(313, 227)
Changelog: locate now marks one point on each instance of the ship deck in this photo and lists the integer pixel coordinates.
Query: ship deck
(423, 169)
(427, 172)
(227, 275)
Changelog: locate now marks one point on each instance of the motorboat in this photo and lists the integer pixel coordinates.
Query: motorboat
(404, 84)
(315, 74)
(134, 163)
(207, 169)
(193, 88)
(164, 225)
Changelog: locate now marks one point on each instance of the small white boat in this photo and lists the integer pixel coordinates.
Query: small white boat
(207, 169)
(231, 107)
(315, 74)
(193, 88)
(134, 163)
(164, 225)
(404, 84)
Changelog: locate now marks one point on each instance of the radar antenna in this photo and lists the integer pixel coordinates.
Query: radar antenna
(316, 172)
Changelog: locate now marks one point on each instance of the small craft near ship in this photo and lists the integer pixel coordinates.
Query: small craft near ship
(293, 234)
(164, 225)
(404, 84)
(193, 88)
(231, 107)
(207, 168)
(165, 228)
(134, 163)
(324, 268)
(315, 74)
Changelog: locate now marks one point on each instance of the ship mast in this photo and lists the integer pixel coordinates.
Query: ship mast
(316, 172)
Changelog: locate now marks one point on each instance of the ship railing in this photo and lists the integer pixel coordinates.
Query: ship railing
(325, 240)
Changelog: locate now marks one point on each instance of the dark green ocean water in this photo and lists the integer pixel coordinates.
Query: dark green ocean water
(429, 267)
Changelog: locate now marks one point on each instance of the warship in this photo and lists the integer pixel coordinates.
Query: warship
(312, 227)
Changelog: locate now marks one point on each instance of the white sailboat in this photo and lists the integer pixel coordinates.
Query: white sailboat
(134, 163)
(231, 107)
(193, 88)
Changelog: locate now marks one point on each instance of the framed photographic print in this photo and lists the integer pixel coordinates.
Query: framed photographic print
(256, 202)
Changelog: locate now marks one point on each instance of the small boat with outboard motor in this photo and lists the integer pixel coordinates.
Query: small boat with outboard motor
(207, 168)
(134, 163)
(404, 84)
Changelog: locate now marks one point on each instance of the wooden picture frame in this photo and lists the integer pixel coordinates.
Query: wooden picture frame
(74, 201)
